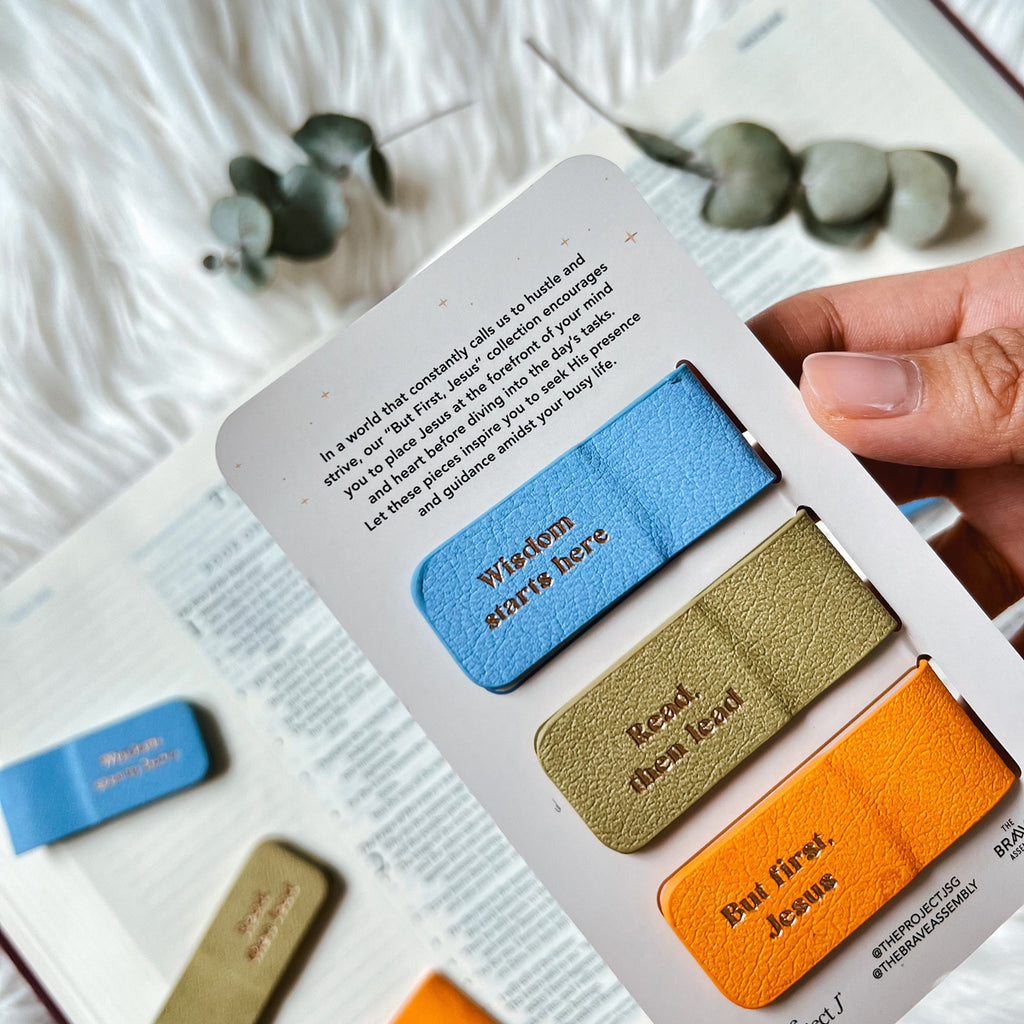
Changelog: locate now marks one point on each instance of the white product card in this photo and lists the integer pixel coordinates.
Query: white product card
(509, 350)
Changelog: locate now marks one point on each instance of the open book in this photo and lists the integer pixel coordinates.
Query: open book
(176, 590)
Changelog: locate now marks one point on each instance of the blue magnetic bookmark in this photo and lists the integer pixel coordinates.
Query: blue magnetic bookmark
(102, 774)
(516, 584)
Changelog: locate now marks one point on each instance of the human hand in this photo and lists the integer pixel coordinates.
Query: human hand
(922, 375)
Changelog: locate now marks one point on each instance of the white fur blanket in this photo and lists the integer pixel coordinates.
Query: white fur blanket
(117, 119)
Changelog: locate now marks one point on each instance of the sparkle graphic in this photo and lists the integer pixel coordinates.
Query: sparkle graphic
(305, 501)
(631, 237)
(565, 241)
(324, 394)
(238, 465)
(443, 302)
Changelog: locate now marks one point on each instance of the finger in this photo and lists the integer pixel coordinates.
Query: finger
(901, 313)
(979, 566)
(983, 548)
(956, 405)
(889, 313)
(992, 501)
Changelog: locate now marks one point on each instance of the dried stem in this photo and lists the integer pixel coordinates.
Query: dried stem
(425, 121)
(565, 77)
(664, 150)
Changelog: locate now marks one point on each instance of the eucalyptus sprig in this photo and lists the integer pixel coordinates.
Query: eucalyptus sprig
(299, 214)
(843, 191)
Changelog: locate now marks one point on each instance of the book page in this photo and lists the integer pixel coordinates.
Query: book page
(178, 591)
(344, 731)
(108, 918)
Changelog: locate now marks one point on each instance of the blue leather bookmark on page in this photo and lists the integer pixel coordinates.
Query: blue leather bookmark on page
(521, 580)
(102, 774)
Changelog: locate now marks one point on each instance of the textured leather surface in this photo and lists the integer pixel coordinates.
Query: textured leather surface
(669, 720)
(248, 946)
(101, 774)
(438, 1001)
(650, 481)
(861, 819)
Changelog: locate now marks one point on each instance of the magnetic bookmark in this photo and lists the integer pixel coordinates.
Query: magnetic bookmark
(838, 839)
(253, 938)
(521, 580)
(666, 723)
(438, 1001)
(102, 774)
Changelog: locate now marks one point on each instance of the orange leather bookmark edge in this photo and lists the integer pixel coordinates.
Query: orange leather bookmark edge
(438, 1001)
(818, 856)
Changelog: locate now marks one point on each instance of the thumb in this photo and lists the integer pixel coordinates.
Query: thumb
(955, 405)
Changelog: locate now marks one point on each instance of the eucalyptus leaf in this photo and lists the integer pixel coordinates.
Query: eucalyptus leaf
(659, 148)
(250, 273)
(243, 222)
(380, 175)
(857, 235)
(843, 182)
(251, 177)
(753, 176)
(312, 214)
(372, 169)
(334, 141)
(923, 197)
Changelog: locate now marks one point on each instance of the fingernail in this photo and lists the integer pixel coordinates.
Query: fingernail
(857, 384)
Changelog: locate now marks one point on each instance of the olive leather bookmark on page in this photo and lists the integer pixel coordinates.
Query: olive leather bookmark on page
(256, 933)
(810, 863)
(521, 580)
(438, 1001)
(633, 750)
